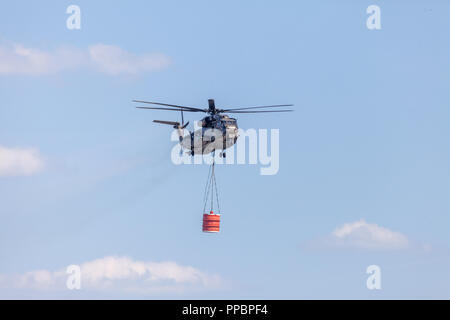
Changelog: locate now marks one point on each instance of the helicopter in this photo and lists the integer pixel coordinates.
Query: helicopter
(218, 131)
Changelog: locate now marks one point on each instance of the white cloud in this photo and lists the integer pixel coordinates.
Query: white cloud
(120, 274)
(108, 59)
(31, 61)
(113, 60)
(363, 235)
(19, 161)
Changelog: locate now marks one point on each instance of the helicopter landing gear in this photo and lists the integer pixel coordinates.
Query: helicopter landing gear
(223, 154)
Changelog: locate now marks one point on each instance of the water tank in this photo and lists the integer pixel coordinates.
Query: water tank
(211, 222)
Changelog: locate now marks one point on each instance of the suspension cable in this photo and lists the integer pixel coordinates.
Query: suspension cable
(212, 186)
(207, 187)
(211, 189)
(217, 194)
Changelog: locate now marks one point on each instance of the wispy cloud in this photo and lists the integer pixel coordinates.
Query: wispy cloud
(363, 235)
(114, 60)
(19, 59)
(20, 161)
(120, 274)
(108, 59)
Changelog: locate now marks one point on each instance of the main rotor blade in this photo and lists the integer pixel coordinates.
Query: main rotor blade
(259, 111)
(261, 107)
(156, 108)
(170, 105)
(172, 123)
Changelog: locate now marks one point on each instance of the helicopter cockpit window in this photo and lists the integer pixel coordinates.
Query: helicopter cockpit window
(206, 121)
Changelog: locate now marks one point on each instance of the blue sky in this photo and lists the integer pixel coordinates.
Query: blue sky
(91, 177)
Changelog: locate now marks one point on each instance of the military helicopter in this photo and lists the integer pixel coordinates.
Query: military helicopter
(218, 131)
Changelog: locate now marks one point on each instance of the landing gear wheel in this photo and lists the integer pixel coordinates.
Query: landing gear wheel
(223, 155)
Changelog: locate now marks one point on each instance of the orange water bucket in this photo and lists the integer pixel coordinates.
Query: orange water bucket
(211, 222)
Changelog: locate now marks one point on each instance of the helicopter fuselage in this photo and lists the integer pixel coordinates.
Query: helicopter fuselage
(217, 132)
